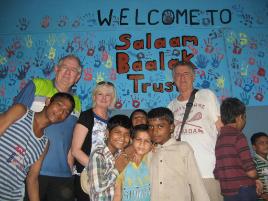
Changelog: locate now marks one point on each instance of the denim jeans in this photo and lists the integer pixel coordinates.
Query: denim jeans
(245, 193)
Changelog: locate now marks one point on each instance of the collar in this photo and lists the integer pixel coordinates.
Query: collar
(171, 141)
(261, 158)
(71, 91)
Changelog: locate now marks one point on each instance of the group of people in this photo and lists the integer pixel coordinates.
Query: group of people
(46, 142)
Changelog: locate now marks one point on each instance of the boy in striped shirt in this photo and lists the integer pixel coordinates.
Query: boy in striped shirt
(23, 145)
(259, 143)
(234, 167)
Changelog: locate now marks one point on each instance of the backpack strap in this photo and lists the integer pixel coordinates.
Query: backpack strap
(189, 105)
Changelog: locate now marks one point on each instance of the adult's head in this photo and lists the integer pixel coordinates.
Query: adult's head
(183, 75)
(59, 107)
(233, 111)
(67, 72)
(104, 95)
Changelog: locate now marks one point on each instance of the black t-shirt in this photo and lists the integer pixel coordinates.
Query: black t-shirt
(86, 118)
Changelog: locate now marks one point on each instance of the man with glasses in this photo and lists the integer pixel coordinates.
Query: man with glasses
(55, 180)
(201, 127)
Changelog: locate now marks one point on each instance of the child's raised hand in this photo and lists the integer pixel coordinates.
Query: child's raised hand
(121, 161)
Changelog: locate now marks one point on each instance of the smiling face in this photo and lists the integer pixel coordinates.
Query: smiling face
(104, 97)
(117, 138)
(183, 77)
(142, 143)
(261, 146)
(67, 73)
(58, 110)
(138, 118)
(160, 130)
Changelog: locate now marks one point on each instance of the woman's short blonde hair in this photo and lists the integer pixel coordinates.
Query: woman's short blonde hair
(99, 87)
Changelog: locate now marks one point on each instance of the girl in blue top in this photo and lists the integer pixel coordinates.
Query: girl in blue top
(134, 182)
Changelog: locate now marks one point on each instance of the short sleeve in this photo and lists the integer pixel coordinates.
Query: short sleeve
(84, 118)
(26, 95)
(242, 148)
(214, 106)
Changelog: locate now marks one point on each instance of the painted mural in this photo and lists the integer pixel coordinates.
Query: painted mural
(134, 45)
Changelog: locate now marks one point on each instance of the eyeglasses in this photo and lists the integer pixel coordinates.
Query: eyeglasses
(105, 82)
(73, 70)
(183, 75)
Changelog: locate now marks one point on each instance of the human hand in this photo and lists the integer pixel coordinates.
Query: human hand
(121, 162)
(259, 187)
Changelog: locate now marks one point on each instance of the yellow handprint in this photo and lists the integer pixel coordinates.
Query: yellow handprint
(3, 59)
(243, 39)
(52, 53)
(100, 77)
(51, 40)
(28, 41)
(220, 82)
(109, 62)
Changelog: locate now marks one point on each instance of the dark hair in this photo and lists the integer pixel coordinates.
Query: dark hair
(60, 95)
(139, 128)
(118, 120)
(256, 136)
(136, 111)
(190, 65)
(230, 109)
(161, 112)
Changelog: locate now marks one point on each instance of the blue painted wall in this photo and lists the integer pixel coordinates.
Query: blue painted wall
(133, 44)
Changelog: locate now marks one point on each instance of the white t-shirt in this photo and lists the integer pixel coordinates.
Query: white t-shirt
(199, 130)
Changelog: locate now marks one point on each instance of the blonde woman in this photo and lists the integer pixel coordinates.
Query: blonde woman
(90, 130)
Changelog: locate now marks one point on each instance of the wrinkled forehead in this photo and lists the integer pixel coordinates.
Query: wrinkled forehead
(71, 62)
(183, 68)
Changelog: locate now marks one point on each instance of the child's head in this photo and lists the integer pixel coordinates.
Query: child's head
(259, 143)
(138, 117)
(233, 111)
(141, 139)
(59, 107)
(118, 132)
(161, 124)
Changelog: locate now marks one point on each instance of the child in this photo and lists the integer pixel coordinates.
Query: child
(138, 117)
(173, 169)
(101, 168)
(259, 143)
(23, 145)
(234, 168)
(134, 182)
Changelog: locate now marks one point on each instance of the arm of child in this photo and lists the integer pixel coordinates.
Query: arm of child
(118, 190)
(252, 174)
(194, 178)
(242, 148)
(121, 162)
(32, 177)
(264, 196)
(101, 178)
(14, 113)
